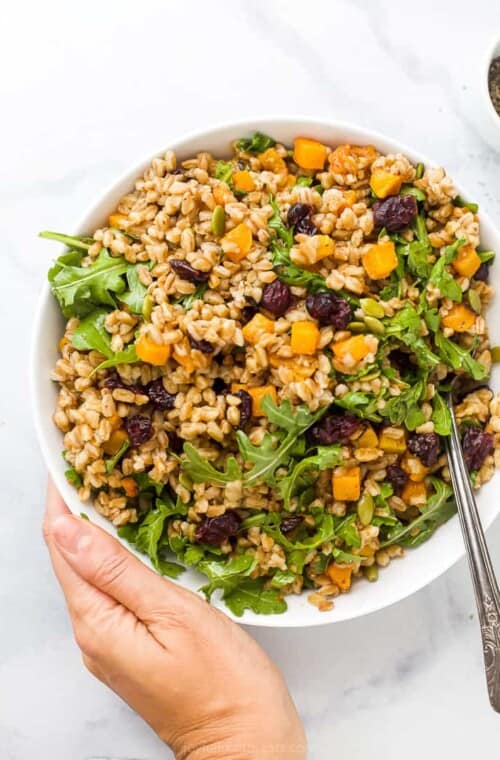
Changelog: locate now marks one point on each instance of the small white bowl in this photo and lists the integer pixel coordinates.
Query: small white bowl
(489, 123)
(402, 577)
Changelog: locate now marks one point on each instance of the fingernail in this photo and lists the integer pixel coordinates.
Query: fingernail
(71, 534)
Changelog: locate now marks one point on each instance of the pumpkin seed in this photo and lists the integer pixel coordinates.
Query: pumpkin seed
(375, 325)
(147, 307)
(371, 375)
(218, 224)
(357, 327)
(475, 301)
(371, 573)
(365, 509)
(185, 481)
(372, 308)
(495, 354)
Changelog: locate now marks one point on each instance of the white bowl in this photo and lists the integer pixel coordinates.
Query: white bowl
(402, 577)
(487, 119)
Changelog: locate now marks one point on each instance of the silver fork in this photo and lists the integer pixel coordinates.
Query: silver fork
(483, 575)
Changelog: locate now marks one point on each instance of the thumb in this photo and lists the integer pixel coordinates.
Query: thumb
(103, 562)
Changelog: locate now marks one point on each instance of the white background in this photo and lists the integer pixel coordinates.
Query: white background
(85, 90)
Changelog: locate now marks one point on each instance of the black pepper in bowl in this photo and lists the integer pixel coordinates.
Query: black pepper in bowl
(494, 83)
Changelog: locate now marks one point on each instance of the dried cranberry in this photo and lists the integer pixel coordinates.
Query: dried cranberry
(187, 272)
(397, 477)
(159, 397)
(245, 407)
(276, 297)
(297, 212)
(426, 447)
(139, 429)
(202, 345)
(220, 386)
(288, 524)
(114, 381)
(215, 530)
(175, 443)
(334, 429)
(248, 311)
(476, 446)
(483, 273)
(306, 226)
(394, 212)
(329, 309)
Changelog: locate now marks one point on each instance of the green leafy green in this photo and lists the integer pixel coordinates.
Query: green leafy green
(188, 301)
(134, 296)
(72, 241)
(193, 554)
(363, 404)
(146, 483)
(201, 471)
(458, 201)
(348, 531)
(439, 508)
(146, 537)
(224, 172)
(73, 477)
(441, 416)
(283, 578)
(417, 251)
(81, 289)
(226, 575)
(405, 407)
(486, 256)
(342, 556)
(91, 335)
(443, 279)
(457, 357)
(406, 327)
(252, 595)
(257, 143)
(304, 181)
(111, 463)
(277, 224)
(325, 531)
(325, 457)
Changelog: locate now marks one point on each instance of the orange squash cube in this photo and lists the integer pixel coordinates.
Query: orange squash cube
(341, 575)
(271, 160)
(305, 337)
(380, 260)
(258, 395)
(243, 181)
(258, 326)
(346, 482)
(115, 441)
(367, 440)
(309, 154)
(117, 220)
(355, 347)
(417, 471)
(150, 352)
(392, 444)
(467, 261)
(222, 194)
(414, 494)
(130, 487)
(459, 318)
(384, 183)
(241, 235)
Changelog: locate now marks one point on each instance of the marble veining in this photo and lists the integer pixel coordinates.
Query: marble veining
(85, 91)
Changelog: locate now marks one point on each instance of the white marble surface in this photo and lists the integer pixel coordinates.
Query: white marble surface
(85, 89)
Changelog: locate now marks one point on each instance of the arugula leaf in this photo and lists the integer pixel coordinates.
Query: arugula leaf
(224, 172)
(457, 357)
(441, 416)
(72, 241)
(80, 289)
(283, 578)
(91, 335)
(363, 404)
(149, 534)
(443, 279)
(265, 458)
(251, 595)
(405, 407)
(134, 297)
(73, 477)
(325, 457)
(439, 508)
(291, 274)
(348, 531)
(146, 483)
(226, 575)
(111, 463)
(418, 251)
(277, 224)
(486, 256)
(343, 556)
(201, 471)
(304, 181)
(193, 554)
(188, 301)
(325, 531)
(406, 327)
(257, 143)
(458, 201)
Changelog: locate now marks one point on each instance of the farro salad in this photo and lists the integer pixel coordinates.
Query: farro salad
(256, 350)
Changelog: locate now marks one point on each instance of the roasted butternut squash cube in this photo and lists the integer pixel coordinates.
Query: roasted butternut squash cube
(380, 260)
(346, 482)
(384, 183)
(392, 440)
(115, 441)
(150, 352)
(417, 471)
(119, 221)
(241, 237)
(258, 326)
(309, 154)
(305, 337)
(367, 440)
(243, 181)
(467, 261)
(341, 575)
(258, 395)
(355, 347)
(271, 160)
(459, 318)
(414, 494)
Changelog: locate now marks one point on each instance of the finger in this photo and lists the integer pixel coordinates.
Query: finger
(104, 563)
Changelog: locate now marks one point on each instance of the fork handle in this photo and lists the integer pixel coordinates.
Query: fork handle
(483, 575)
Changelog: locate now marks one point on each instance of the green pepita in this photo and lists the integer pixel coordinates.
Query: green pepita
(475, 301)
(372, 308)
(375, 325)
(185, 481)
(356, 327)
(218, 224)
(365, 509)
(371, 573)
(495, 354)
(147, 307)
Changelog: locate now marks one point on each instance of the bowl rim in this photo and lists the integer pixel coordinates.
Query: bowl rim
(45, 301)
(492, 51)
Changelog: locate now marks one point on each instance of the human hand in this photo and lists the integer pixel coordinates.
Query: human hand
(197, 678)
